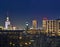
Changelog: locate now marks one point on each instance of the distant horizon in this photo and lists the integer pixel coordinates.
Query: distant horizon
(27, 21)
(21, 11)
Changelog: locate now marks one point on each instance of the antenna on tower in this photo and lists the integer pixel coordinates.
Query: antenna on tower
(7, 13)
(7, 17)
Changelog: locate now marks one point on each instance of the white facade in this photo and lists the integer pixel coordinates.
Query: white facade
(51, 27)
(7, 23)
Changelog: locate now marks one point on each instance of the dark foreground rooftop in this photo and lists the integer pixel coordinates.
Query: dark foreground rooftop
(11, 38)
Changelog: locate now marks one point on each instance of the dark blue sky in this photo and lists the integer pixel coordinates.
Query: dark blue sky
(21, 11)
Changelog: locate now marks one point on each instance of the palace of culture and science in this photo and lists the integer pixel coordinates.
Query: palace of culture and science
(8, 25)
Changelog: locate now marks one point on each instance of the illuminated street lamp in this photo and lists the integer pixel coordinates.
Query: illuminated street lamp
(26, 43)
(20, 37)
(13, 44)
(10, 43)
(29, 42)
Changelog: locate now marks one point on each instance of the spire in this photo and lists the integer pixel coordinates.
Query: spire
(7, 18)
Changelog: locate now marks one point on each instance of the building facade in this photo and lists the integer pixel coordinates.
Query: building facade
(34, 24)
(51, 27)
(7, 23)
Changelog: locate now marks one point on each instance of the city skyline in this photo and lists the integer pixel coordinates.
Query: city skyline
(22, 11)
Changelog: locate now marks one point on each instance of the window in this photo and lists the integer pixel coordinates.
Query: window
(59, 25)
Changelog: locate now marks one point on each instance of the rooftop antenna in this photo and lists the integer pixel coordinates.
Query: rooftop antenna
(7, 16)
(7, 13)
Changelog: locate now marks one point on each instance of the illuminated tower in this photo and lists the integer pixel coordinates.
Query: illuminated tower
(50, 26)
(44, 24)
(27, 26)
(34, 24)
(7, 23)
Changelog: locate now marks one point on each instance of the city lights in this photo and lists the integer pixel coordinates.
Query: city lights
(20, 37)
(48, 26)
(13, 44)
(29, 42)
(26, 43)
(10, 43)
(29, 23)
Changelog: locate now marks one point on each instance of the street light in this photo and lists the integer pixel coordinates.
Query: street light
(32, 40)
(29, 42)
(26, 43)
(20, 37)
(10, 43)
(13, 44)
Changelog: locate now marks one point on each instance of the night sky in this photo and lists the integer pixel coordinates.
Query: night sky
(21, 11)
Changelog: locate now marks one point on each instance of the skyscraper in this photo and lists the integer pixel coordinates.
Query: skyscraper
(7, 23)
(44, 24)
(27, 26)
(34, 24)
(51, 27)
(58, 26)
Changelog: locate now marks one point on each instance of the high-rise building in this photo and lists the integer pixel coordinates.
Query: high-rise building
(27, 26)
(58, 26)
(44, 24)
(7, 23)
(34, 24)
(51, 27)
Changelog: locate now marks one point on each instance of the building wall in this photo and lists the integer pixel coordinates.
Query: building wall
(34, 24)
(44, 25)
(51, 27)
(58, 27)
